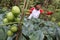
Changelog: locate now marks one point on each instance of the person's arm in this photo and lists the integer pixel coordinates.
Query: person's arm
(46, 13)
(30, 11)
(30, 16)
(49, 13)
(42, 12)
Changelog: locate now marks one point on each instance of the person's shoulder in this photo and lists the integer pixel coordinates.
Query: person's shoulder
(32, 8)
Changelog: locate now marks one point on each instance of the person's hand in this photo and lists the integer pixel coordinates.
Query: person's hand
(49, 13)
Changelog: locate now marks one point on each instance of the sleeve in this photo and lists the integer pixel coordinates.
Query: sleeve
(41, 11)
(31, 9)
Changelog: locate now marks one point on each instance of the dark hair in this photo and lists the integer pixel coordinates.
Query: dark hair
(38, 4)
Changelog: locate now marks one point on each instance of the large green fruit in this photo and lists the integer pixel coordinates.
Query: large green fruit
(13, 28)
(10, 16)
(5, 20)
(17, 19)
(9, 33)
(15, 10)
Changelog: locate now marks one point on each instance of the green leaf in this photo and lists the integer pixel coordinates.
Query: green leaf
(22, 38)
(2, 34)
(49, 37)
(9, 38)
(37, 35)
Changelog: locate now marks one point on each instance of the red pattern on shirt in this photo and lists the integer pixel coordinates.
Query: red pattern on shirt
(31, 9)
(41, 11)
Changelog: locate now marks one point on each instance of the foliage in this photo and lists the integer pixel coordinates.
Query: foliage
(38, 29)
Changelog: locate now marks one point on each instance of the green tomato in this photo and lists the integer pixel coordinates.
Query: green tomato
(9, 33)
(5, 20)
(13, 28)
(15, 10)
(10, 16)
(17, 19)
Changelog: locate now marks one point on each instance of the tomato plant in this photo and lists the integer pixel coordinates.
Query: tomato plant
(34, 29)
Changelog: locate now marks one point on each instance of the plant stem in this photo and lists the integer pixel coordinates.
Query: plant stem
(27, 4)
(8, 23)
(19, 33)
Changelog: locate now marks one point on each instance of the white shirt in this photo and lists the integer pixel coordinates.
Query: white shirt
(35, 14)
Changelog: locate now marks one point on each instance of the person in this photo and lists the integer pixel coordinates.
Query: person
(36, 11)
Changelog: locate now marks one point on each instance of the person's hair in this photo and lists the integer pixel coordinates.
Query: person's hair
(38, 4)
